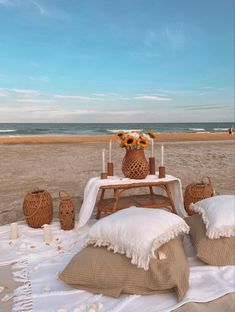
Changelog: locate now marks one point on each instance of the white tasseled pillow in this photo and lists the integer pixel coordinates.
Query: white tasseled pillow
(136, 232)
(218, 214)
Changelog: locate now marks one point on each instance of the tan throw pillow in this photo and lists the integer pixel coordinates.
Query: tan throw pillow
(219, 251)
(97, 270)
(136, 232)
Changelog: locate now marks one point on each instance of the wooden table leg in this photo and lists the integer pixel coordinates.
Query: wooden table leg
(151, 190)
(117, 193)
(99, 205)
(170, 198)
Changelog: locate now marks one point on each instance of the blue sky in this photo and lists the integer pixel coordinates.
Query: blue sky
(116, 61)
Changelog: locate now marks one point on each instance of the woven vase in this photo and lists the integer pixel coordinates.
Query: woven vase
(66, 211)
(135, 165)
(38, 208)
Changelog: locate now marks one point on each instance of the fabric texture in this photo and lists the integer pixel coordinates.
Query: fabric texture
(93, 186)
(43, 291)
(136, 232)
(98, 270)
(220, 251)
(218, 214)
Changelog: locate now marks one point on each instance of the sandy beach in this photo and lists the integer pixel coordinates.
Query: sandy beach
(27, 164)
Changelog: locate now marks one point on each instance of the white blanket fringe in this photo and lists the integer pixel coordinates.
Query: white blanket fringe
(23, 294)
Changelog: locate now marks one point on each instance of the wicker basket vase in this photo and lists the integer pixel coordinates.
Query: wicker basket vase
(197, 191)
(38, 208)
(135, 165)
(66, 211)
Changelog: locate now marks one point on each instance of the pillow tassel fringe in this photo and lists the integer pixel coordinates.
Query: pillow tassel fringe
(142, 261)
(214, 232)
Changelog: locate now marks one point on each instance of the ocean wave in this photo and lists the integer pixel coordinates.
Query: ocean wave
(125, 130)
(220, 129)
(8, 130)
(197, 129)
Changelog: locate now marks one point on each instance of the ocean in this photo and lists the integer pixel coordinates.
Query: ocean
(29, 129)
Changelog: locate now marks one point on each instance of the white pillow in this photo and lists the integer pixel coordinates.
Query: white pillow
(136, 232)
(218, 214)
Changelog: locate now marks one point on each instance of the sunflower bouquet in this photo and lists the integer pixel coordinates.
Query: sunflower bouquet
(133, 140)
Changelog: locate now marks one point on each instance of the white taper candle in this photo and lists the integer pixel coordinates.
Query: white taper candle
(14, 231)
(47, 233)
(110, 151)
(152, 147)
(103, 160)
(162, 155)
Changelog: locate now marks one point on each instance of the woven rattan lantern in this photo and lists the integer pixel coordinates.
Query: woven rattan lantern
(38, 208)
(66, 211)
(197, 191)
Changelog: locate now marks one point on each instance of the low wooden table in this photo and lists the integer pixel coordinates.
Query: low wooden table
(151, 200)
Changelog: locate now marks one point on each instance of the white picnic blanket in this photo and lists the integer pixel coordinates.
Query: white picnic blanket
(94, 184)
(38, 267)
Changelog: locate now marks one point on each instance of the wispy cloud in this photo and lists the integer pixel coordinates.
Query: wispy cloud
(19, 3)
(24, 91)
(211, 88)
(43, 10)
(39, 7)
(175, 37)
(152, 98)
(7, 2)
(73, 97)
(150, 37)
(39, 79)
(2, 93)
(208, 107)
(33, 101)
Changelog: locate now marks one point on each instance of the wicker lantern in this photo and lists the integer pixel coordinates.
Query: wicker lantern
(66, 211)
(38, 208)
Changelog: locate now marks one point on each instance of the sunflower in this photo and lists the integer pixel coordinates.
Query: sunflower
(129, 141)
(122, 144)
(142, 142)
(152, 134)
(120, 135)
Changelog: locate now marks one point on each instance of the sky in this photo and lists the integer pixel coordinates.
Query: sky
(116, 60)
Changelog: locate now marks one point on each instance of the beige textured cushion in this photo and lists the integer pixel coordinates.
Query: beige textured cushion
(97, 270)
(219, 251)
(136, 232)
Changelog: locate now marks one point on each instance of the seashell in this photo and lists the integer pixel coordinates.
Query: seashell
(36, 268)
(96, 306)
(7, 297)
(47, 289)
(161, 255)
(23, 246)
(77, 310)
(91, 310)
(2, 289)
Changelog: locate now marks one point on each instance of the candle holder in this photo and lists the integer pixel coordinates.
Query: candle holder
(110, 168)
(103, 175)
(162, 172)
(152, 169)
